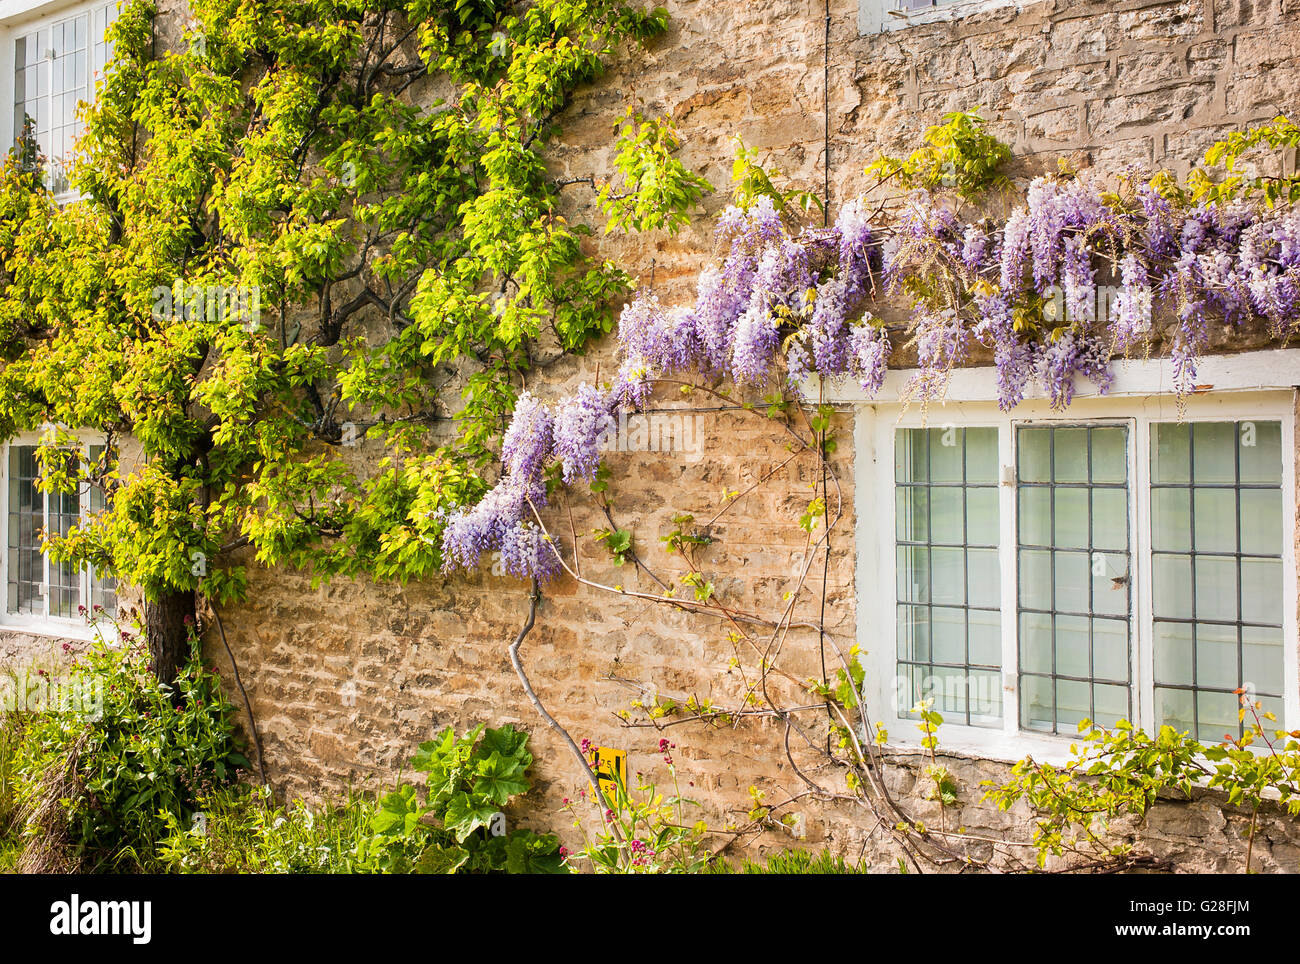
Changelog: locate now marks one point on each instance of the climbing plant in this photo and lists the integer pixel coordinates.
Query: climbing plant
(301, 227)
(791, 308)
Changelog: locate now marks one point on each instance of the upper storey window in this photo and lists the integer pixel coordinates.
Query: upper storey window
(56, 61)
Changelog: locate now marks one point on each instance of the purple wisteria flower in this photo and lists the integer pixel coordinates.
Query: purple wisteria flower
(828, 328)
(1072, 354)
(527, 444)
(580, 422)
(755, 343)
(527, 553)
(869, 349)
(1213, 263)
(471, 531)
(855, 235)
(717, 306)
(1133, 304)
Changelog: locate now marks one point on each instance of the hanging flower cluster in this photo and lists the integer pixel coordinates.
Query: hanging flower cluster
(1027, 289)
(774, 296)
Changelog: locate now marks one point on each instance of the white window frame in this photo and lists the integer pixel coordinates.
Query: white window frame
(1253, 385)
(882, 16)
(19, 17)
(63, 627)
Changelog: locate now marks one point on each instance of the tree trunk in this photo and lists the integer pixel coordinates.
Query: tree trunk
(167, 632)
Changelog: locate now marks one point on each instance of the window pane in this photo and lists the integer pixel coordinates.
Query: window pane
(947, 576)
(948, 689)
(1261, 453)
(984, 629)
(913, 516)
(1072, 646)
(983, 579)
(1174, 652)
(1073, 581)
(1218, 603)
(985, 695)
(26, 520)
(982, 455)
(1110, 704)
(1034, 455)
(1035, 516)
(948, 635)
(1261, 509)
(1069, 455)
(1071, 519)
(1110, 595)
(1109, 455)
(1216, 588)
(914, 634)
(1036, 642)
(1171, 453)
(1110, 656)
(1109, 519)
(1037, 703)
(947, 502)
(1171, 520)
(1216, 715)
(911, 456)
(1261, 660)
(947, 515)
(1171, 586)
(946, 453)
(1176, 708)
(914, 573)
(1214, 452)
(1076, 475)
(1216, 656)
(1073, 703)
(1216, 520)
(982, 517)
(103, 589)
(1035, 580)
(1261, 591)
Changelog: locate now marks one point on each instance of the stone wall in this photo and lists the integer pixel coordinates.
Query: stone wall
(345, 679)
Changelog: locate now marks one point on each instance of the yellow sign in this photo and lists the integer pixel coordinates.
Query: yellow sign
(610, 767)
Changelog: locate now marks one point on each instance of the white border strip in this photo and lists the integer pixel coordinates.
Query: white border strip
(1250, 371)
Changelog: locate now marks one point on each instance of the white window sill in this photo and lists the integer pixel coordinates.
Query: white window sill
(76, 629)
(977, 743)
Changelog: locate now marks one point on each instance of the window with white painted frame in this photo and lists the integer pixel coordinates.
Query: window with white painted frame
(55, 61)
(877, 16)
(44, 595)
(1128, 559)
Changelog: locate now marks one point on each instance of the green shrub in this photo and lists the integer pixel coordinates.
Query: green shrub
(13, 730)
(457, 828)
(98, 785)
(240, 830)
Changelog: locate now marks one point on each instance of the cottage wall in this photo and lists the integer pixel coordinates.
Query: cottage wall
(346, 679)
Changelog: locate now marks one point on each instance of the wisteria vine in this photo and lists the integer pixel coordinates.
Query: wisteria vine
(799, 302)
